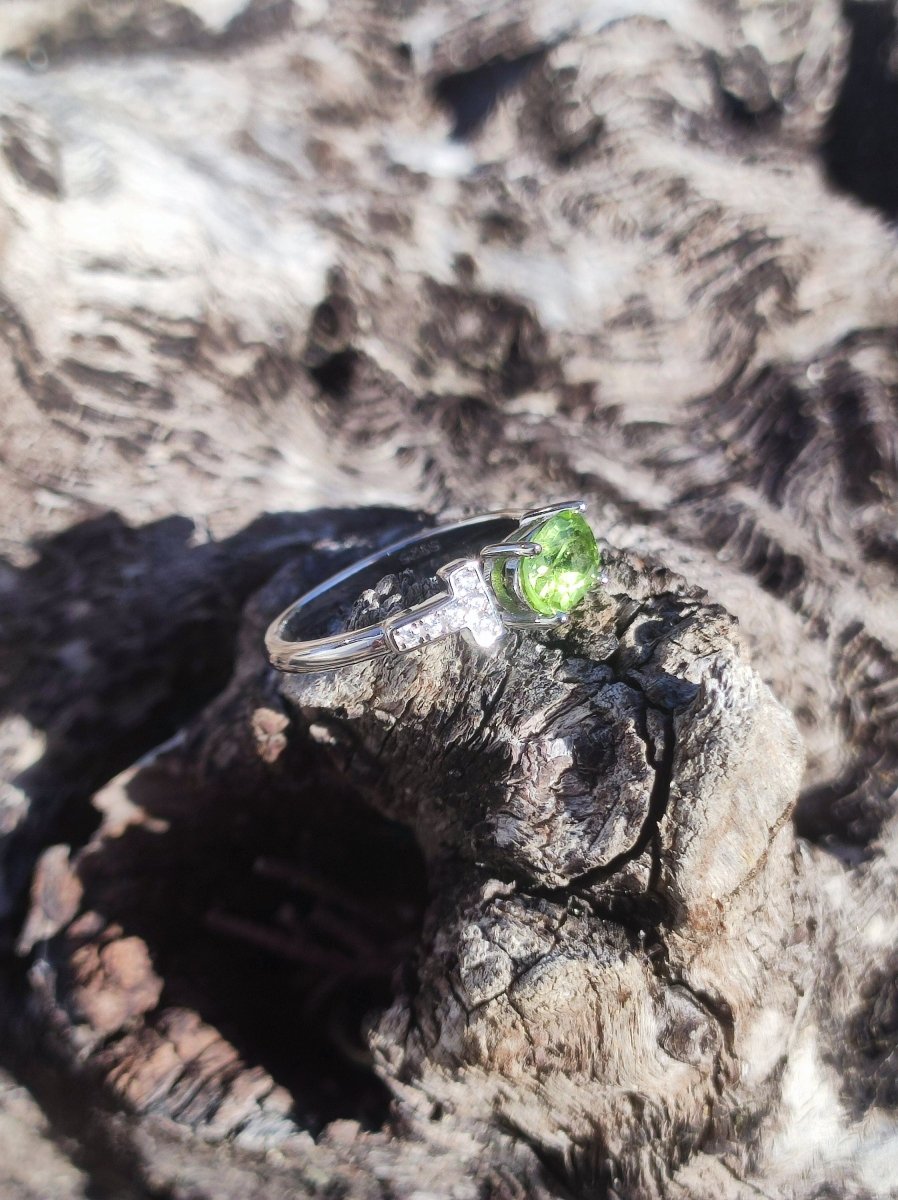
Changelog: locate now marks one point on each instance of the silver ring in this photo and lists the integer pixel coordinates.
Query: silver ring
(535, 567)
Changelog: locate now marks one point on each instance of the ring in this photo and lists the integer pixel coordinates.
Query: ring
(532, 568)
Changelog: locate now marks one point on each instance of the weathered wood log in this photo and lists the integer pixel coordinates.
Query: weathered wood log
(611, 913)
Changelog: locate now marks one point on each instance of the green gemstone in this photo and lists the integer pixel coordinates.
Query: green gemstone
(557, 579)
(503, 595)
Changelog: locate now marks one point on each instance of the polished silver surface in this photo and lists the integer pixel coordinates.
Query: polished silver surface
(469, 605)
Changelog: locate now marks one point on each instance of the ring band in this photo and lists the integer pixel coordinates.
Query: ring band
(531, 569)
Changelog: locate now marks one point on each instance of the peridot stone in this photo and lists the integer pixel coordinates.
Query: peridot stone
(557, 579)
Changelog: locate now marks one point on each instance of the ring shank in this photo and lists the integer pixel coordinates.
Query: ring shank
(300, 655)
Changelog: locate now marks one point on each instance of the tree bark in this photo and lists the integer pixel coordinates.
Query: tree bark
(609, 913)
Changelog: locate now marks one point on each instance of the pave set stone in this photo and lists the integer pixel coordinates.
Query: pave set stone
(469, 606)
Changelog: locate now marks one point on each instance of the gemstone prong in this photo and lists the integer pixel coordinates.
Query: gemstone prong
(551, 510)
(532, 621)
(512, 550)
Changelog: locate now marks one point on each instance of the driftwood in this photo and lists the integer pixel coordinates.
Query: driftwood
(611, 913)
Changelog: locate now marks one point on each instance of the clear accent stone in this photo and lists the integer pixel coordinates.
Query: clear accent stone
(404, 637)
(454, 619)
(486, 632)
(469, 606)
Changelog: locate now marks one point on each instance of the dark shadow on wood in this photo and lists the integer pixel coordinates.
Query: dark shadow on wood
(470, 96)
(860, 151)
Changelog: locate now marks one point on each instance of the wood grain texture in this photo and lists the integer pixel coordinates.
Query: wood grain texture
(612, 914)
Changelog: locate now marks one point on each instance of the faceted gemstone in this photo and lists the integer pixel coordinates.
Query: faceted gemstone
(558, 578)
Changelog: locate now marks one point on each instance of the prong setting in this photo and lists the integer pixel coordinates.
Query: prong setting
(512, 550)
(504, 566)
(539, 515)
(527, 621)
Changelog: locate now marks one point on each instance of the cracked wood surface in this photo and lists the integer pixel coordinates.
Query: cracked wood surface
(607, 816)
(612, 914)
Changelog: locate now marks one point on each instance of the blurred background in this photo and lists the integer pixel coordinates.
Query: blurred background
(263, 258)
